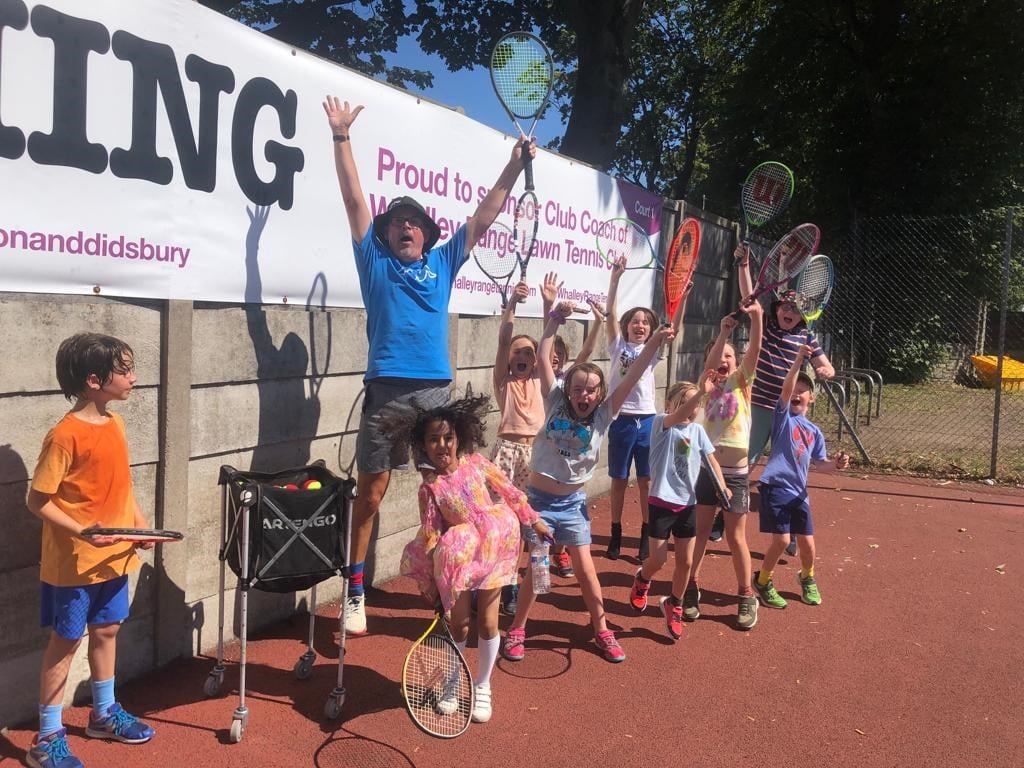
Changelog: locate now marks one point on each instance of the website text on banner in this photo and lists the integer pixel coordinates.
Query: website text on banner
(139, 137)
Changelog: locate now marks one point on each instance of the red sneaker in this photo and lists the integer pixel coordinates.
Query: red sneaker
(673, 618)
(638, 593)
(563, 565)
(610, 646)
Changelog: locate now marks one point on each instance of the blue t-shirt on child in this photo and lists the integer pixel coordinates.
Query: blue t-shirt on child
(407, 307)
(675, 460)
(795, 442)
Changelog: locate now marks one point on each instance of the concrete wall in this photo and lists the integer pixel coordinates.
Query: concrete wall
(255, 387)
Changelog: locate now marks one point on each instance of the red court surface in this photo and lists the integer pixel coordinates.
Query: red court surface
(915, 658)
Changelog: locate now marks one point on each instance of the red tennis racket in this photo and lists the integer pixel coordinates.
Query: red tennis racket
(682, 260)
(156, 535)
(786, 258)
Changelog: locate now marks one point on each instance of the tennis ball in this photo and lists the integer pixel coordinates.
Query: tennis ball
(291, 487)
(312, 485)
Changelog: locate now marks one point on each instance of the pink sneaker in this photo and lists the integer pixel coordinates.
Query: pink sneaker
(514, 647)
(638, 593)
(673, 618)
(610, 646)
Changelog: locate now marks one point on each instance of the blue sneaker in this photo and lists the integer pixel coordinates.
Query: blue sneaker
(52, 752)
(118, 725)
(509, 600)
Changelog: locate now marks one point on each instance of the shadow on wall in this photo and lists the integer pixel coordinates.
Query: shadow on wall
(289, 402)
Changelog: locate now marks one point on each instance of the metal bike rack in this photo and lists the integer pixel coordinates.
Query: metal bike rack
(876, 379)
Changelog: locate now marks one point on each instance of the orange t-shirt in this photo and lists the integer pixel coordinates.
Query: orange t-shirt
(84, 469)
(521, 404)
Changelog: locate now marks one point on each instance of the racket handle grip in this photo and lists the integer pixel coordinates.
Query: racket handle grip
(528, 164)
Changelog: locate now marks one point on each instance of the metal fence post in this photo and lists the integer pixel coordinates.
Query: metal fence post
(1003, 301)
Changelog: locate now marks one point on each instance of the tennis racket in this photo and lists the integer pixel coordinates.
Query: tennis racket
(682, 260)
(495, 255)
(524, 231)
(766, 192)
(814, 287)
(723, 497)
(155, 535)
(786, 258)
(624, 237)
(522, 73)
(436, 682)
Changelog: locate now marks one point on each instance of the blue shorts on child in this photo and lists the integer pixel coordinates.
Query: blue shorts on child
(782, 512)
(566, 516)
(69, 610)
(629, 443)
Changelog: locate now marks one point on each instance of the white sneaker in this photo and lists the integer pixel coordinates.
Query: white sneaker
(482, 705)
(448, 704)
(355, 615)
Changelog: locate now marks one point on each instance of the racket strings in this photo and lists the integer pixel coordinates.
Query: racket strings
(622, 237)
(766, 193)
(788, 256)
(522, 72)
(438, 687)
(494, 253)
(527, 220)
(814, 285)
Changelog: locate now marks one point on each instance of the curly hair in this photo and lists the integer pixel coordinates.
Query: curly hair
(407, 425)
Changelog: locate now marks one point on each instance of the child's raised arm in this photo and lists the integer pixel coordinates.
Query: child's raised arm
(822, 366)
(742, 257)
(556, 318)
(726, 327)
(639, 366)
(687, 408)
(520, 293)
(756, 314)
(612, 310)
(549, 291)
(789, 383)
(595, 330)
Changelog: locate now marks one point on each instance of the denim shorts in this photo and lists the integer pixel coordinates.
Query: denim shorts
(629, 442)
(375, 451)
(566, 516)
(69, 610)
(785, 513)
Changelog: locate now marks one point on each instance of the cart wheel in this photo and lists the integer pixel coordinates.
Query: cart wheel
(303, 669)
(237, 729)
(332, 709)
(211, 686)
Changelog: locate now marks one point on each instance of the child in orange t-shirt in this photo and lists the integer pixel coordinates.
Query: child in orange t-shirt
(83, 480)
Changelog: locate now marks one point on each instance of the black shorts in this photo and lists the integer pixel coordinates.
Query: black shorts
(662, 521)
(738, 484)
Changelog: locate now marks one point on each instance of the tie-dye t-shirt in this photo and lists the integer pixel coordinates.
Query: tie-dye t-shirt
(725, 413)
(567, 449)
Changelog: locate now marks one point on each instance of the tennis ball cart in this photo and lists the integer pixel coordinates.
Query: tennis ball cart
(284, 531)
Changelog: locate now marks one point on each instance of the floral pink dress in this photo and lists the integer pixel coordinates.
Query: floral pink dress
(467, 540)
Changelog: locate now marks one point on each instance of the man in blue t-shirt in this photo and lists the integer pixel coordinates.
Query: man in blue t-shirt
(406, 284)
(796, 443)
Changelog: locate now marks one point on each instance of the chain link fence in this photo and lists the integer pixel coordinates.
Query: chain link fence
(921, 310)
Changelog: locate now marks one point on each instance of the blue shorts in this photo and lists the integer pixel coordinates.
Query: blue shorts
(785, 513)
(70, 609)
(566, 516)
(629, 442)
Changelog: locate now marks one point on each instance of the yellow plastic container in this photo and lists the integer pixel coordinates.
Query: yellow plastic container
(1013, 371)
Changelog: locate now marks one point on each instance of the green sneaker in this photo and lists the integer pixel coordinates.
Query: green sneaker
(769, 595)
(809, 588)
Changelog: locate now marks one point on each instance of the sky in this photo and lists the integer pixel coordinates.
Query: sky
(470, 90)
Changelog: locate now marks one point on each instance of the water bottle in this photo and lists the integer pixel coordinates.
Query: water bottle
(540, 568)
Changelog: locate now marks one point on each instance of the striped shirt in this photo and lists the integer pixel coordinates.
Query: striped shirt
(778, 351)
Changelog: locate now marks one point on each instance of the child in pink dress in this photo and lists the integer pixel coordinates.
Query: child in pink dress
(466, 541)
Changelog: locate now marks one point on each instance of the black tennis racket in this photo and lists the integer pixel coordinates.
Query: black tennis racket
(521, 73)
(814, 288)
(495, 255)
(156, 535)
(624, 237)
(524, 229)
(766, 192)
(723, 497)
(786, 258)
(436, 682)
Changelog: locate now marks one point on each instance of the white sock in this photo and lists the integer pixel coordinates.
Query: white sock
(488, 650)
